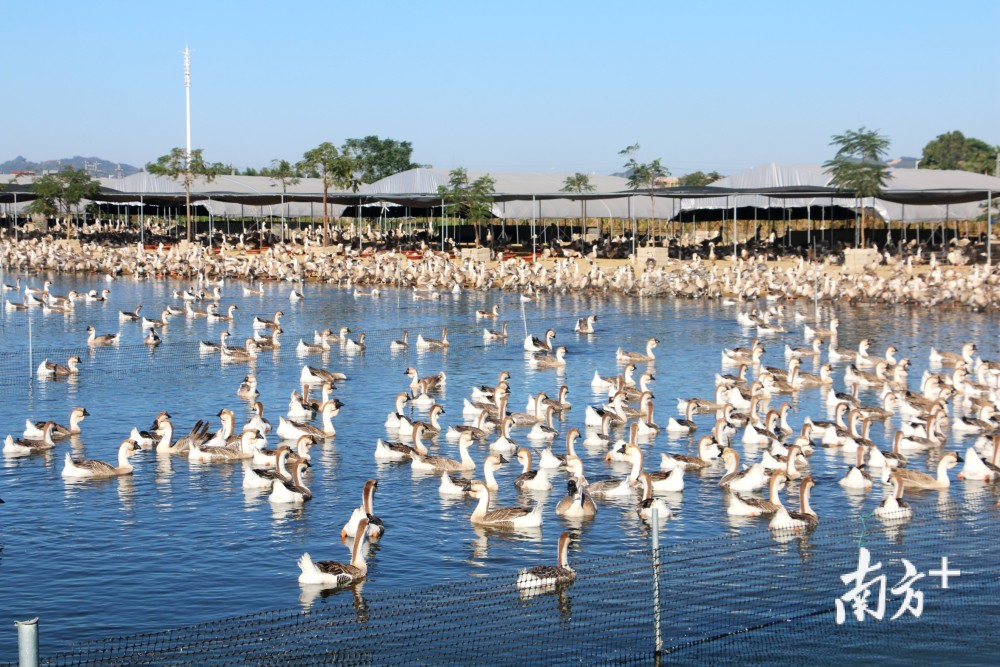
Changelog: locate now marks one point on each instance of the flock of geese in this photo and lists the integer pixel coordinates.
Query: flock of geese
(751, 450)
(915, 280)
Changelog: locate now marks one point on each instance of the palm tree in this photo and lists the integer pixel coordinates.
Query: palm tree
(644, 175)
(859, 168)
(580, 183)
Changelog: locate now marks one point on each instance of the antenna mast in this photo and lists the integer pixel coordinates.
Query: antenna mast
(187, 95)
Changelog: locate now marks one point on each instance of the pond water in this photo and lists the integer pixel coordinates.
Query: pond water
(178, 543)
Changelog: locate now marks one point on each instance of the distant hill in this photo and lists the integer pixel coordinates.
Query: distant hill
(98, 167)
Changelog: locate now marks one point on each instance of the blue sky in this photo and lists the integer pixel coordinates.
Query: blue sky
(498, 86)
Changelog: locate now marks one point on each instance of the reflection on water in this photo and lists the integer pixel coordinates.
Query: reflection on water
(210, 548)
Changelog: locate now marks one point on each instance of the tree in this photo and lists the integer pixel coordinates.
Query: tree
(953, 150)
(282, 173)
(698, 179)
(579, 183)
(644, 175)
(58, 193)
(474, 200)
(180, 166)
(859, 166)
(377, 158)
(327, 163)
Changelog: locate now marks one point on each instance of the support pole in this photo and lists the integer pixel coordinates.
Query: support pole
(655, 519)
(27, 642)
(989, 231)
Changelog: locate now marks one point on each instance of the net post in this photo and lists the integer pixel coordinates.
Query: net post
(655, 520)
(27, 642)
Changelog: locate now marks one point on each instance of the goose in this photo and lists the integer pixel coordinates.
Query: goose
(669, 481)
(854, 375)
(547, 459)
(822, 333)
(152, 338)
(600, 438)
(585, 325)
(740, 505)
(535, 344)
(616, 411)
(799, 352)
(261, 323)
(916, 479)
(372, 294)
(823, 379)
(339, 337)
(89, 469)
(429, 462)
(888, 459)
(237, 355)
(402, 344)
(835, 355)
(644, 508)
(856, 477)
(16, 287)
(492, 335)
(322, 347)
(316, 375)
(535, 480)
(270, 341)
(805, 519)
(294, 491)
(432, 426)
(545, 430)
(295, 296)
(50, 370)
(248, 388)
(93, 340)
(463, 487)
(477, 430)
(708, 451)
(365, 511)
(428, 382)
(264, 478)
(36, 430)
(398, 451)
(155, 324)
(541, 577)
(433, 343)
(689, 406)
(977, 469)
(356, 345)
(982, 423)
(250, 290)
(394, 420)
(893, 507)
(504, 517)
(645, 424)
(98, 297)
(614, 488)
(258, 421)
(735, 479)
(13, 306)
(336, 575)
(951, 358)
(743, 356)
(635, 357)
(291, 430)
(577, 503)
(269, 458)
(22, 446)
(208, 347)
(491, 314)
(543, 360)
(683, 425)
(129, 316)
(600, 382)
(238, 450)
(165, 430)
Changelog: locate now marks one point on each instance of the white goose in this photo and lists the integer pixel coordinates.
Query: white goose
(503, 517)
(291, 430)
(451, 486)
(541, 577)
(365, 511)
(89, 469)
(335, 575)
(635, 357)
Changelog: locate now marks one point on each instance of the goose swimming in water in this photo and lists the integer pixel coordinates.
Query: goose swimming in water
(544, 360)
(335, 575)
(451, 486)
(127, 316)
(735, 479)
(293, 491)
(915, 479)
(542, 577)
(805, 519)
(577, 503)
(50, 370)
(93, 340)
(504, 517)
(636, 357)
(893, 507)
(36, 430)
(751, 506)
(428, 462)
(394, 420)
(88, 469)
(644, 508)
(398, 451)
(316, 375)
(262, 323)
(366, 511)
(292, 430)
(490, 335)
(535, 344)
(535, 480)
(433, 343)
(491, 314)
(23, 446)
(400, 345)
(245, 354)
(585, 325)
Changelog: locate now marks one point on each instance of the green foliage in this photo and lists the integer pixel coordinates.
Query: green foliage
(377, 158)
(282, 173)
(859, 165)
(577, 183)
(59, 193)
(953, 150)
(642, 174)
(698, 179)
(183, 168)
(335, 168)
(471, 200)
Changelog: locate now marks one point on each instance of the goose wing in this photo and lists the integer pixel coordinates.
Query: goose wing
(97, 467)
(506, 514)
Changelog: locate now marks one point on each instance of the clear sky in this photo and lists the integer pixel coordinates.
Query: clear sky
(498, 86)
